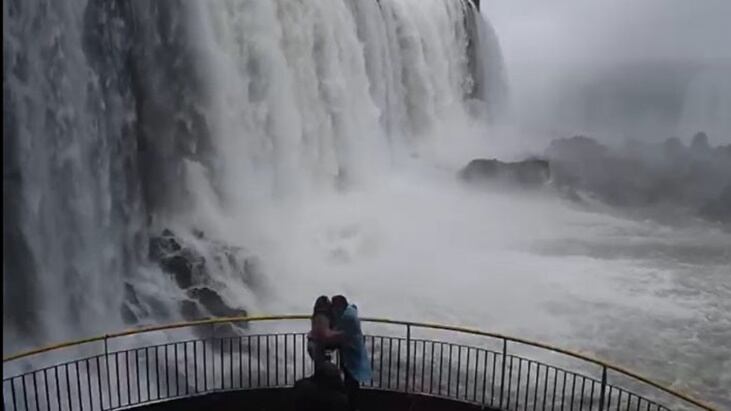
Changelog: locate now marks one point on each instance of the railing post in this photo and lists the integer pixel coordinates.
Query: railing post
(502, 374)
(604, 386)
(408, 354)
(109, 379)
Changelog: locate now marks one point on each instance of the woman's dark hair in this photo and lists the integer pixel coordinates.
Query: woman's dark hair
(322, 306)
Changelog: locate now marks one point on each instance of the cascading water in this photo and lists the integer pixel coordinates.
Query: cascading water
(707, 104)
(123, 118)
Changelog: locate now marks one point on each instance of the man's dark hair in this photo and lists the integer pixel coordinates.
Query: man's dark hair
(339, 301)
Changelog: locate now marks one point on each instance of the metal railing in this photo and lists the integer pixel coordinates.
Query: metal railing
(492, 377)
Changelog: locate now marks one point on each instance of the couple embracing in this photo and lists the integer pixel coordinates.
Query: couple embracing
(336, 326)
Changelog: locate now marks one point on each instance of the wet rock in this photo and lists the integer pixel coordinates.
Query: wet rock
(213, 303)
(128, 316)
(195, 266)
(180, 267)
(652, 178)
(158, 309)
(718, 209)
(182, 263)
(529, 173)
(191, 311)
(130, 295)
(700, 142)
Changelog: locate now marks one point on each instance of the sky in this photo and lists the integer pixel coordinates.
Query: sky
(617, 69)
(613, 31)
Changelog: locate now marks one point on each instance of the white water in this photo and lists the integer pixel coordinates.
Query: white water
(333, 133)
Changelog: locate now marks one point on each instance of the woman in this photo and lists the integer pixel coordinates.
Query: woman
(322, 338)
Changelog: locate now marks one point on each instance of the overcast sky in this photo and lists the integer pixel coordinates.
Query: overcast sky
(556, 49)
(611, 31)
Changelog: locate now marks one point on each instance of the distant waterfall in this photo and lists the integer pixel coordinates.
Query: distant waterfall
(123, 117)
(707, 104)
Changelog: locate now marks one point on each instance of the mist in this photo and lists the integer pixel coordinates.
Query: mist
(324, 140)
(617, 70)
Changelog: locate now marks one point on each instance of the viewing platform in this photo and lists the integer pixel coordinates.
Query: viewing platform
(251, 363)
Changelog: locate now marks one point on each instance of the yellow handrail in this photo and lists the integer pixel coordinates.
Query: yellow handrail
(465, 330)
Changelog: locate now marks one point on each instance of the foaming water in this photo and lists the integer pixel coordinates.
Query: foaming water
(420, 246)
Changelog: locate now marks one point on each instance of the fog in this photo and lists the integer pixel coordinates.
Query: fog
(323, 140)
(419, 245)
(617, 69)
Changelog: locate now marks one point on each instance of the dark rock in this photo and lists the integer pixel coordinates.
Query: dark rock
(128, 316)
(130, 295)
(191, 311)
(181, 262)
(181, 269)
(190, 270)
(227, 330)
(718, 209)
(163, 245)
(158, 309)
(645, 176)
(527, 173)
(213, 302)
(700, 142)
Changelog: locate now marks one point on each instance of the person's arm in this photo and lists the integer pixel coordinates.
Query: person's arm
(322, 332)
(331, 337)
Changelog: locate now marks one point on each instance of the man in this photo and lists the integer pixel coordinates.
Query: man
(353, 354)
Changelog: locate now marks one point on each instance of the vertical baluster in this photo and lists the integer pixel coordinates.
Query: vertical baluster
(390, 352)
(99, 383)
(488, 354)
(25, 392)
(492, 379)
(286, 367)
(195, 367)
(484, 373)
(563, 390)
(205, 367)
(431, 369)
(535, 389)
(555, 384)
(545, 389)
(78, 385)
(12, 393)
(459, 369)
(449, 370)
(68, 386)
(109, 377)
(231, 361)
(502, 374)
(573, 390)
(45, 389)
(223, 376)
(258, 360)
(603, 387)
(408, 355)
(510, 382)
(35, 391)
(517, 386)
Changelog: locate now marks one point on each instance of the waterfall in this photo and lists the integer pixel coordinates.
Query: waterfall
(123, 118)
(707, 103)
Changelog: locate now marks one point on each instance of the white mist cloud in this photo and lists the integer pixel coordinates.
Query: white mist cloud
(586, 31)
